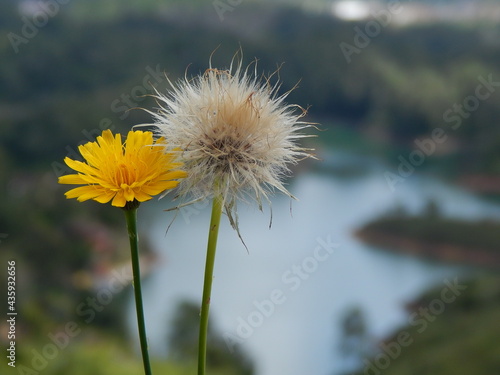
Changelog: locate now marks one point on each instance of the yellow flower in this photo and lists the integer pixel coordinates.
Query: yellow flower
(135, 170)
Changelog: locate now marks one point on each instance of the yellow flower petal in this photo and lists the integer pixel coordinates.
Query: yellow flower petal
(119, 200)
(128, 193)
(172, 175)
(141, 196)
(105, 197)
(83, 193)
(159, 187)
(72, 179)
(79, 166)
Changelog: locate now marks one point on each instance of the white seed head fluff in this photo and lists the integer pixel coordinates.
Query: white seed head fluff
(237, 136)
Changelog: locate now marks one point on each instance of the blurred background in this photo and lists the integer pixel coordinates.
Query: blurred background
(387, 263)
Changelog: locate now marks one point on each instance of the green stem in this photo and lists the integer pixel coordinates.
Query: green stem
(207, 285)
(131, 217)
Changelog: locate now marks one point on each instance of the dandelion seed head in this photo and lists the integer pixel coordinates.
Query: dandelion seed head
(237, 136)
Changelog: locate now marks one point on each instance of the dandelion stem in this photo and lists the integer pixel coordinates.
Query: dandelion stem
(207, 285)
(131, 217)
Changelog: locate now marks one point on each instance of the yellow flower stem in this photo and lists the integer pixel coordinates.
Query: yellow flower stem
(131, 217)
(207, 285)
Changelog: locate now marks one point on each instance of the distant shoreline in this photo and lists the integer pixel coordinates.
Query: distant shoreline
(450, 253)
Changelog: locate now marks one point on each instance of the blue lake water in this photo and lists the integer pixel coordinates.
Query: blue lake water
(283, 300)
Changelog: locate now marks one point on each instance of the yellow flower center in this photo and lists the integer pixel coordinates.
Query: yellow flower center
(123, 176)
